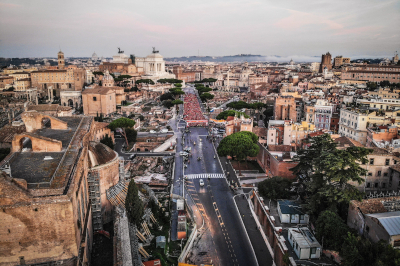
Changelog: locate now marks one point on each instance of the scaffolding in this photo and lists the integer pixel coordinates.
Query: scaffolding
(94, 196)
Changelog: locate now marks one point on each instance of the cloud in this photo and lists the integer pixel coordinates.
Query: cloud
(9, 5)
(298, 19)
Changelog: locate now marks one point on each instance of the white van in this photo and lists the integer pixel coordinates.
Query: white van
(201, 182)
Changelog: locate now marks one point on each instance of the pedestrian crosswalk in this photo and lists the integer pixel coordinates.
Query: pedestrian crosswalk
(211, 175)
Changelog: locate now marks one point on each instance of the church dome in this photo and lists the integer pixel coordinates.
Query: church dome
(94, 54)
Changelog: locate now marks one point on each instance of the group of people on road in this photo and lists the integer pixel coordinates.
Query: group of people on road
(192, 111)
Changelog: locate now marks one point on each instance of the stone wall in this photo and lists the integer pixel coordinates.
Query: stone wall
(39, 144)
(109, 176)
(34, 120)
(38, 232)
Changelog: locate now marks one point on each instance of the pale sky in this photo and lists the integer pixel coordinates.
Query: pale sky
(289, 28)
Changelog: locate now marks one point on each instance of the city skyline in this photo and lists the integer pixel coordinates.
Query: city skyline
(209, 28)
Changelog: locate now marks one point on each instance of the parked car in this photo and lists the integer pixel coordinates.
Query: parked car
(201, 182)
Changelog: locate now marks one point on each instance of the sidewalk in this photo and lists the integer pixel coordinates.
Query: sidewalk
(264, 258)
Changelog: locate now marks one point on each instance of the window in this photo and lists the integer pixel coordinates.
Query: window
(302, 217)
(371, 161)
(379, 173)
(376, 184)
(387, 161)
(313, 251)
(369, 174)
(383, 185)
(292, 216)
(94, 99)
(368, 184)
(385, 174)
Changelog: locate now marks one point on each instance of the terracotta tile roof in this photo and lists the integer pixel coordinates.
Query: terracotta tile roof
(373, 205)
(347, 142)
(97, 90)
(100, 125)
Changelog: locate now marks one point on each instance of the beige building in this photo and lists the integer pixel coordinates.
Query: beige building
(22, 84)
(236, 124)
(100, 100)
(354, 123)
(385, 93)
(9, 71)
(383, 104)
(375, 73)
(5, 82)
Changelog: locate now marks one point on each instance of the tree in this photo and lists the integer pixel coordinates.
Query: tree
(258, 106)
(275, 188)
(332, 228)
(176, 102)
(372, 86)
(131, 134)
(324, 172)
(238, 105)
(168, 104)
(98, 73)
(12, 89)
(107, 140)
(146, 81)
(224, 115)
(166, 96)
(178, 85)
(122, 123)
(239, 145)
(141, 117)
(176, 92)
(358, 251)
(206, 96)
(203, 89)
(133, 204)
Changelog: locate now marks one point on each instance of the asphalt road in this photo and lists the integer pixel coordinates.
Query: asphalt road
(228, 242)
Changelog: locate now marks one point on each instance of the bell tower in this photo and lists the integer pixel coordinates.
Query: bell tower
(61, 61)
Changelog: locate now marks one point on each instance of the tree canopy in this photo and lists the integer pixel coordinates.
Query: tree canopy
(358, 251)
(133, 204)
(206, 96)
(224, 115)
(166, 96)
(167, 103)
(176, 102)
(275, 188)
(146, 81)
(330, 226)
(169, 81)
(123, 123)
(239, 145)
(324, 172)
(107, 140)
